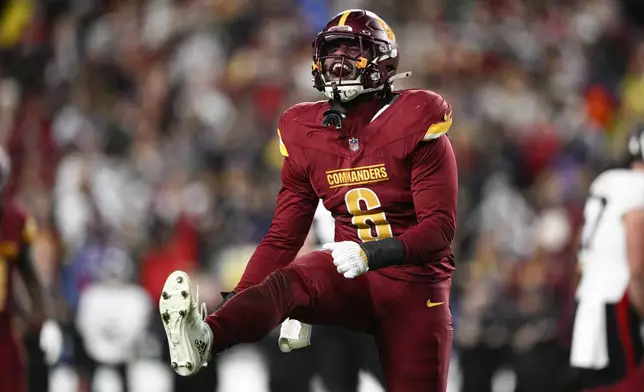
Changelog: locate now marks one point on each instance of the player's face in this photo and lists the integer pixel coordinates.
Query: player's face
(342, 56)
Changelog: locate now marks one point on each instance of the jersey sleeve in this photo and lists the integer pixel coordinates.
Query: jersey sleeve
(438, 117)
(434, 186)
(294, 212)
(283, 149)
(287, 133)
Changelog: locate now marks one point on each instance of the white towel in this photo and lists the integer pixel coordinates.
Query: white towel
(589, 342)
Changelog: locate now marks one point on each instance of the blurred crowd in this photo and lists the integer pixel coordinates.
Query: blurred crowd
(142, 138)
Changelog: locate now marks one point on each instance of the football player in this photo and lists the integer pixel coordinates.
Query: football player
(16, 232)
(382, 164)
(606, 344)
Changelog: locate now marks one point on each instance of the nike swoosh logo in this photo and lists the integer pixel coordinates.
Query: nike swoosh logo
(431, 304)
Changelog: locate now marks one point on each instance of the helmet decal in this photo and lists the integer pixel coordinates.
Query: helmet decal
(385, 26)
(344, 17)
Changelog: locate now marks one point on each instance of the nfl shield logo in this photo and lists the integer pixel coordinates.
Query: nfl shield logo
(354, 145)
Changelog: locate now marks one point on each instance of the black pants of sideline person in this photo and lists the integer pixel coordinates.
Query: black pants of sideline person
(538, 369)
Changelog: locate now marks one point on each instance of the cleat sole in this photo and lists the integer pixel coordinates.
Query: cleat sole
(174, 306)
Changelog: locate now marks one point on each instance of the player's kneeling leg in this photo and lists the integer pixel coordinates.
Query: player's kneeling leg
(415, 339)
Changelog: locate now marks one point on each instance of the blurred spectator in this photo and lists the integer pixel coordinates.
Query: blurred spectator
(112, 319)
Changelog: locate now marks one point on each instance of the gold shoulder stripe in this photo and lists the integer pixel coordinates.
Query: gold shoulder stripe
(283, 149)
(437, 129)
(344, 17)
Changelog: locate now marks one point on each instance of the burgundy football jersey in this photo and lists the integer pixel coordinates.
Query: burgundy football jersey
(391, 174)
(16, 230)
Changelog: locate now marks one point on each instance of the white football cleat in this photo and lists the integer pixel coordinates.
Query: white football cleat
(189, 337)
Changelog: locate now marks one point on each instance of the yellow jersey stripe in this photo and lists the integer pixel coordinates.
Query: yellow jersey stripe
(344, 17)
(283, 149)
(437, 129)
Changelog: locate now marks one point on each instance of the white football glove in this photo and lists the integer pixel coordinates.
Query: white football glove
(51, 341)
(294, 335)
(349, 257)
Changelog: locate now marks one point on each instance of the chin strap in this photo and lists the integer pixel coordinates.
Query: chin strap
(336, 113)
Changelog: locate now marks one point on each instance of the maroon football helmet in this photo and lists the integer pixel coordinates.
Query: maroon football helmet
(356, 52)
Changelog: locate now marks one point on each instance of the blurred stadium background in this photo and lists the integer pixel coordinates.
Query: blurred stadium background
(142, 138)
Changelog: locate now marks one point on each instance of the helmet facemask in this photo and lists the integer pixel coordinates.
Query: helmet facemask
(342, 62)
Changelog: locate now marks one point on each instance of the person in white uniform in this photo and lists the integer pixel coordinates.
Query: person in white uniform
(606, 342)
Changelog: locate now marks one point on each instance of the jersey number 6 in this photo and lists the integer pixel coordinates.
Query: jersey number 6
(372, 225)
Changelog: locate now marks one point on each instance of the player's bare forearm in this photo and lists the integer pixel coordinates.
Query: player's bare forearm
(435, 188)
(636, 295)
(636, 287)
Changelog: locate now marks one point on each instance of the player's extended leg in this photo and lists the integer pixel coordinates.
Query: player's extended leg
(415, 336)
(309, 289)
